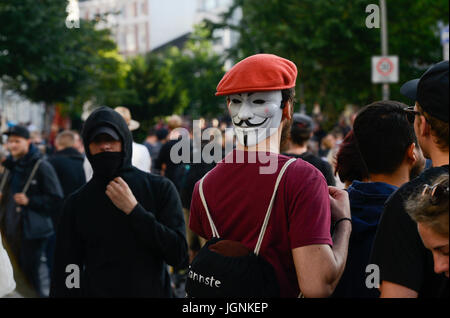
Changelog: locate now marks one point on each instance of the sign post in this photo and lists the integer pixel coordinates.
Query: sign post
(444, 42)
(384, 44)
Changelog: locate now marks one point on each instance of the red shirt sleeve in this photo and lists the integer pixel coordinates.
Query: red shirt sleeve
(309, 206)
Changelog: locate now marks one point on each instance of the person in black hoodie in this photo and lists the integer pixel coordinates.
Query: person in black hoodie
(27, 202)
(121, 229)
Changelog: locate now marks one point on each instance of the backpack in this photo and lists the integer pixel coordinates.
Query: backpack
(225, 268)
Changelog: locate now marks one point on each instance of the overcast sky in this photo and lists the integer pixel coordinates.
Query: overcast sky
(170, 19)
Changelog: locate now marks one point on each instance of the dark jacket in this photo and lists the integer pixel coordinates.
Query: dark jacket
(175, 172)
(320, 164)
(194, 173)
(120, 255)
(44, 193)
(68, 164)
(367, 201)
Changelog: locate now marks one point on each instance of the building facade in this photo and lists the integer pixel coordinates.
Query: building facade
(224, 38)
(139, 26)
(129, 22)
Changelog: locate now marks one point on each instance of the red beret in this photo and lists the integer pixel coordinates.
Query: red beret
(256, 73)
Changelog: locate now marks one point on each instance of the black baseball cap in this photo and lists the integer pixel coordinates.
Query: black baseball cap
(104, 130)
(302, 122)
(19, 131)
(431, 90)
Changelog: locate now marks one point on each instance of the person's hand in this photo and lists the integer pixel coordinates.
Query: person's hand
(21, 199)
(340, 204)
(121, 195)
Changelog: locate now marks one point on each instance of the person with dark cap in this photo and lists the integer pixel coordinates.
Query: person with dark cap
(30, 196)
(120, 230)
(406, 266)
(301, 133)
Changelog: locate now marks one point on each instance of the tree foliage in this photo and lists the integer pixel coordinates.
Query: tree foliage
(198, 70)
(331, 45)
(45, 61)
(175, 81)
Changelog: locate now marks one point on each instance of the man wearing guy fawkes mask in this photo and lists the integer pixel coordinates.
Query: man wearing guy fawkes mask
(121, 228)
(254, 115)
(297, 242)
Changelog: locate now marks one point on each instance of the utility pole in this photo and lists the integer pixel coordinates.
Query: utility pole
(384, 43)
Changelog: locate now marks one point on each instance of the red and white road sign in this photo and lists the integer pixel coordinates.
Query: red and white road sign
(384, 69)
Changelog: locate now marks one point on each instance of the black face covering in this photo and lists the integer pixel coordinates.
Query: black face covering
(106, 164)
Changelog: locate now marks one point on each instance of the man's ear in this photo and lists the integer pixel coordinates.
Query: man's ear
(287, 111)
(411, 155)
(424, 127)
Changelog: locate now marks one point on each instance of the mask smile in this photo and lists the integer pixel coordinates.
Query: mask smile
(249, 124)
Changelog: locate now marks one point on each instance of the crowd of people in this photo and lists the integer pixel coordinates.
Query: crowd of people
(100, 215)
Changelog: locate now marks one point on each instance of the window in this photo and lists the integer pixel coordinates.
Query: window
(131, 39)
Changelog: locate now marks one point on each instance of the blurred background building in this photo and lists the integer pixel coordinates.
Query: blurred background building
(140, 26)
(15, 109)
(213, 10)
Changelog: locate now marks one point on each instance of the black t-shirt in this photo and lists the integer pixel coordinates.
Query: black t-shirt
(398, 249)
(320, 164)
(196, 172)
(174, 171)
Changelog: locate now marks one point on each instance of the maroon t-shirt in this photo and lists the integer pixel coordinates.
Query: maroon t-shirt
(238, 195)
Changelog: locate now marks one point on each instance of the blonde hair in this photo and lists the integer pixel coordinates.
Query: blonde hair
(65, 139)
(174, 121)
(430, 206)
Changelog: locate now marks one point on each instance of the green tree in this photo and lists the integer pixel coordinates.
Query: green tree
(197, 70)
(174, 81)
(332, 47)
(45, 61)
(151, 90)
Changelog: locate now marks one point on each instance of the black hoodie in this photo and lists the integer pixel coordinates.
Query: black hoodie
(119, 255)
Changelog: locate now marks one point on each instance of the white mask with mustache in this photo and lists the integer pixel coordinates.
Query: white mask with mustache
(256, 116)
